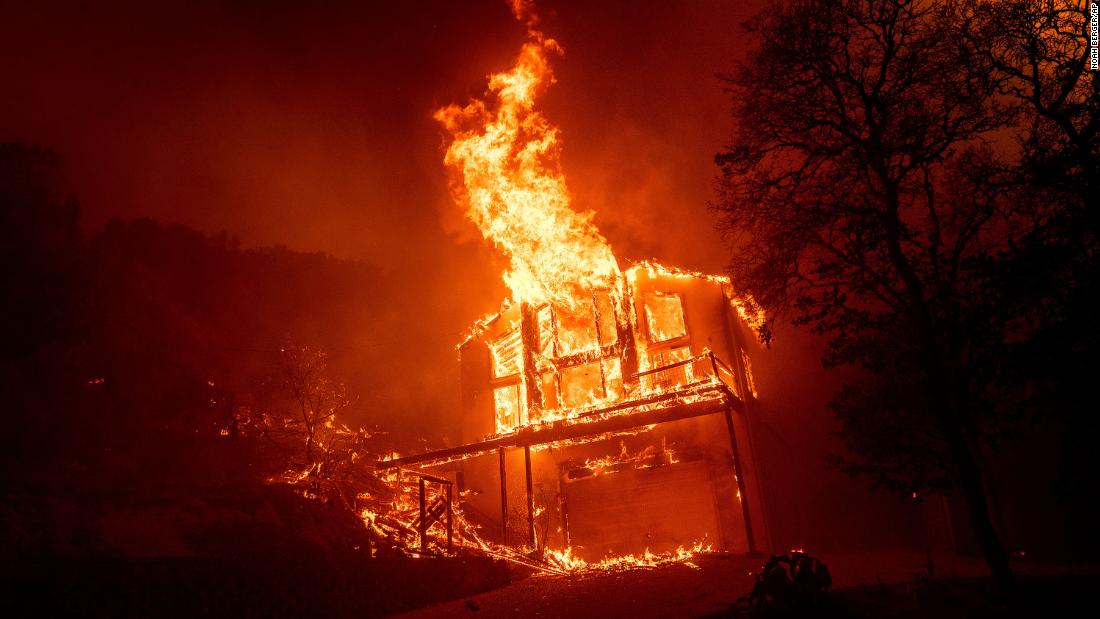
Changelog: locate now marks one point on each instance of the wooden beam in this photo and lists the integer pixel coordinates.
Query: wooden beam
(529, 335)
(740, 478)
(530, 495)
(450, 518)
(423, 528)
(503, 496)
(432, 478)
(667, 407)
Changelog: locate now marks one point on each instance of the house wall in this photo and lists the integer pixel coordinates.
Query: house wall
(630, 510)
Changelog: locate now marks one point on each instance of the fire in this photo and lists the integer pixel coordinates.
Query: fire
(505, 157)
(589, 340)
(392, 519)
(682, 554)
(508, 156)
(746, 307)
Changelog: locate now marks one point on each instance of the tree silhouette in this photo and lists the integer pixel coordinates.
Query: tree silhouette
(317, 397)
(862, 197)
(41, 274)
(1037, 53)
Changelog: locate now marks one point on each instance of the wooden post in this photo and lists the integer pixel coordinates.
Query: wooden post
(503, 496)
(423, 530)
(450, 518)
(530, 495)
(563, 504)
(625, 307)
(740, 481)
(735, 342)
(529, 333)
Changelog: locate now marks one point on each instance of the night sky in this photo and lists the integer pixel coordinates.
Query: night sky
(311, 127)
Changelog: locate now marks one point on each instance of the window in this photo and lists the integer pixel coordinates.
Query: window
(664, 316)
(581, 385)
(546, 331)
(587, 326)
(549, 385)
(576, 329)
(509, 407)
(605, 312)
(613, 376)
(506, 354)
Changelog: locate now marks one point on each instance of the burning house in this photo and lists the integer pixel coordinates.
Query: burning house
(614, 427)
(605, 411)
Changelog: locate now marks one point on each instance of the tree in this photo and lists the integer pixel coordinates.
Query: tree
(312, 446)
(40, 242)
(860, 196)
(42, 276)
(1037, 53)
(317, 397)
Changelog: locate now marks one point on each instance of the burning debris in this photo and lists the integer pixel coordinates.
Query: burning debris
(646, 559)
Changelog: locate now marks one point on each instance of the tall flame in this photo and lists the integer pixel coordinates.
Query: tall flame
(512, 185)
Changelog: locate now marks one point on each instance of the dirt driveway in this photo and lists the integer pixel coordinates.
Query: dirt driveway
(710, 585)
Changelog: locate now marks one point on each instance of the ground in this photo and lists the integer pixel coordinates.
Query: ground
(871, 584)
(234, 549)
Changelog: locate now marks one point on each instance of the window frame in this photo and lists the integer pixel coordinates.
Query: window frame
(673, 342)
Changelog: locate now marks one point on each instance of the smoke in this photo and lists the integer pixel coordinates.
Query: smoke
(284, 124)
(310, 127)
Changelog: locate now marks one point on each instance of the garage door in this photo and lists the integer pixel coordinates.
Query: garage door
(658, 508)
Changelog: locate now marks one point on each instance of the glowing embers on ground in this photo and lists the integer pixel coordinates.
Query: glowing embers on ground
(649, 457)
(683, 554)
(390, 514)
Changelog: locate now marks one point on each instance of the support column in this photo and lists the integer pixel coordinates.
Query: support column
(422, 528)
(563, 505)
(529, 332)
(530, 495)
(735, 341)
(503, 496)
(740, 481)
(450, 518)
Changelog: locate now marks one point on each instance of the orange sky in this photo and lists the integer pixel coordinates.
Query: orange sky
(312, 127)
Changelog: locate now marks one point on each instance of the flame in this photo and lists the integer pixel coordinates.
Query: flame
(393, 519)
(568, 562)
(508, 157)
(745, 305)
